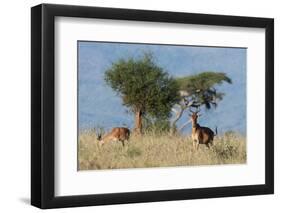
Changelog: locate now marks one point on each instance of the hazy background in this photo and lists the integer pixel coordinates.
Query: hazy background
(100, 106)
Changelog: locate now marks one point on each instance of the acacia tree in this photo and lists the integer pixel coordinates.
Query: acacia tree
(197, 91)
(144, 87)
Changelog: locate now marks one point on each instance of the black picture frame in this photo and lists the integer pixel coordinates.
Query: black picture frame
(43, 102)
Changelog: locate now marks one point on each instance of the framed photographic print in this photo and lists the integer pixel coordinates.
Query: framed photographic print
(139, 106)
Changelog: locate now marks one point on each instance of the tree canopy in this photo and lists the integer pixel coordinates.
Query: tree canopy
(196, 91)
(145, 88)
(200, 89)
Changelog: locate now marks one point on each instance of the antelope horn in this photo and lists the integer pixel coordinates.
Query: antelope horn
(191, 111)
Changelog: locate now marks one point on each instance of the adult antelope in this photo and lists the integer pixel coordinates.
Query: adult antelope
(116, 134)
(200, 134)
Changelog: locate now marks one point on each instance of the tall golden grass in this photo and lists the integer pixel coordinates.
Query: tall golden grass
(158, 150)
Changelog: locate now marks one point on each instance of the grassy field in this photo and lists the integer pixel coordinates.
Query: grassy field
(151, 150)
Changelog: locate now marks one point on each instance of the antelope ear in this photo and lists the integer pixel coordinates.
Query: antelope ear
(190, 114)
(199, 115)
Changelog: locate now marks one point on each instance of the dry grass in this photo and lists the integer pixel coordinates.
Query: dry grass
(153, 150)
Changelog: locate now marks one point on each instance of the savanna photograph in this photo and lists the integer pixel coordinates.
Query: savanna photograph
(160, 105)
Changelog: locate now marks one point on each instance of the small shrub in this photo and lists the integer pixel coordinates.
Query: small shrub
(226, 151)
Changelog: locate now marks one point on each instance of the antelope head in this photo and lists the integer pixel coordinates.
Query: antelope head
(194, 115)
(99, 134)
(100, 139)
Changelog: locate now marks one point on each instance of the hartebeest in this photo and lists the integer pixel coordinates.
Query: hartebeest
(116, 134)
(200, 134)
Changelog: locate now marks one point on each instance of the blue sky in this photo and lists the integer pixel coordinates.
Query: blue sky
(100, 106)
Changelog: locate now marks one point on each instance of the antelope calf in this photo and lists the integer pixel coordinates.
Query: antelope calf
(200, 134)
(116, 134)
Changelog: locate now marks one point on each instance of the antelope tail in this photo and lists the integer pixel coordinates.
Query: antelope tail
(216, 131)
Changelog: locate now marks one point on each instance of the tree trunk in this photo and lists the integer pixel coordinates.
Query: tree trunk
(177, 117)
(138, 122)
(178, 114)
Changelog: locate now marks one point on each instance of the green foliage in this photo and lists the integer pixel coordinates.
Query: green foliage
(202, 81)
(157, 126)
(143, 86)
(200, 88)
